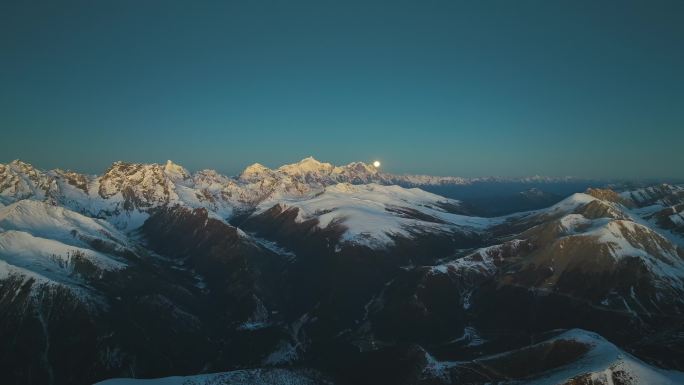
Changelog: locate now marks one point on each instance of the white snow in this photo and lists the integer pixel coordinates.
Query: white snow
(175, 172)
(310, 185)
(602, 360)
(307, 165)
(571, 223)
(599, 363)
(255, 171)
(565, 207)
(372, 213)
(626, 238)
(571, 203)
(39, 241)
(483, 260)
(47, 221)
(48, 261)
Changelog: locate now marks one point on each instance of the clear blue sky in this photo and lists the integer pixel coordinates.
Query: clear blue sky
(567, 87)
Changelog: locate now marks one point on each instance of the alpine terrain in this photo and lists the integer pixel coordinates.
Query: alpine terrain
(319, 274)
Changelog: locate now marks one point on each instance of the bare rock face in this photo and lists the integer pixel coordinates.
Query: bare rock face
(141, 186)
(610, 196)
(665, 194)
(19, 180)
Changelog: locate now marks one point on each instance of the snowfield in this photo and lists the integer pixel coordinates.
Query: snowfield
(372, 214)
(48, 221)
(46, 260)
(43, 242)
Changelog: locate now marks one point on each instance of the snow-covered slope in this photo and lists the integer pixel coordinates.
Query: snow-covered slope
(126, 192)
(573, 357)
(662, 194)
(48, 221)
(586, 249)
(605, 363)
(51, 245)
(19, 180)
(373, 214)
(47, 261)
(661, 207)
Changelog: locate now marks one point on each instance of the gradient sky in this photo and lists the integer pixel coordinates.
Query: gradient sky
(584, 88)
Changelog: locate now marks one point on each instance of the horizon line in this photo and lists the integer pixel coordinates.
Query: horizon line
(470, 179)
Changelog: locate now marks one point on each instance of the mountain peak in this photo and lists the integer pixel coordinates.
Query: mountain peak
(362, 167)
(610, 196)
(306, 165)
(20, 165)
(309, 159)
(175, 171)
(253, 171)
(255, 167)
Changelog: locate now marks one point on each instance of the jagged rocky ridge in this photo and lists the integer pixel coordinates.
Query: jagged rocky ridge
(158, 272)
(126, 189)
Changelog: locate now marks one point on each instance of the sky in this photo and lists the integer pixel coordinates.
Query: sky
(468, 88)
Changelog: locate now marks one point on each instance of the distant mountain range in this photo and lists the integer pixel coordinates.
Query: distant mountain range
(313, 273)
(142, 186)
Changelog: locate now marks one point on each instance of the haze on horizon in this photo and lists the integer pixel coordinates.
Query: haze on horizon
(504, 88)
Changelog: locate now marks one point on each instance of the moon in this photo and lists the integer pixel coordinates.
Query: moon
(376, 164)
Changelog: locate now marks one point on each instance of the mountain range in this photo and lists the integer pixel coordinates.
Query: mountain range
(314, 273)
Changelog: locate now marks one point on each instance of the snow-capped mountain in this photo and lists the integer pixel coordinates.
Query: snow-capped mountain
(19, 180)
(567, 358)
(594, 246)
(372, 214)
(43, 245)
(589, 261)
(313, 272)
(127, 193)
(126, 190)
(661, 205)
